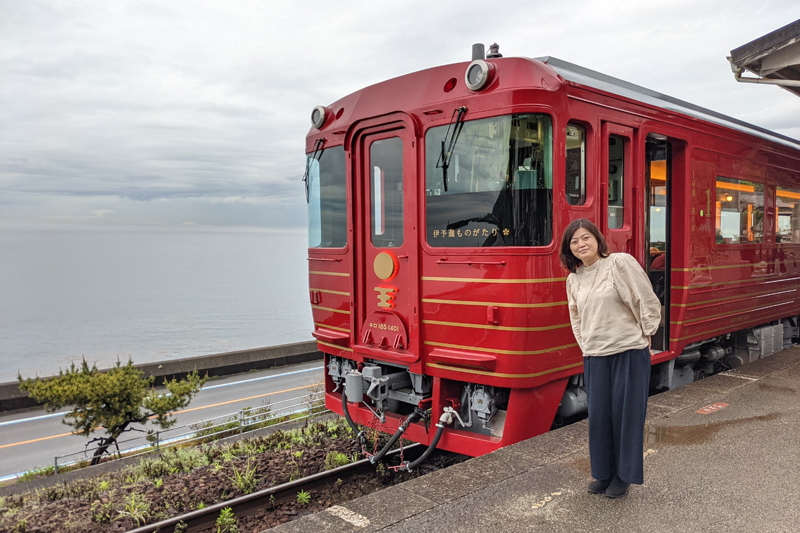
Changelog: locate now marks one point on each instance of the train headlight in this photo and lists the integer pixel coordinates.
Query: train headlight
(319, 115)
(479, 75)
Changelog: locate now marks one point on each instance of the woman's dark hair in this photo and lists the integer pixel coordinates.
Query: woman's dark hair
(569, 261)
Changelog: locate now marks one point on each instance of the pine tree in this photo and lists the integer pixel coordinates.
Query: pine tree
(111, 400)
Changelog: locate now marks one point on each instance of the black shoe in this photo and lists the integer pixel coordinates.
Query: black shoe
(617, 488)
(599, 486)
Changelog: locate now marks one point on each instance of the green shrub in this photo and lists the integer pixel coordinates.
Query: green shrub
(336, 459)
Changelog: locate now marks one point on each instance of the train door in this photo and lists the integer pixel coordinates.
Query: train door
(385, 281)
(618, 219)
(658, 177)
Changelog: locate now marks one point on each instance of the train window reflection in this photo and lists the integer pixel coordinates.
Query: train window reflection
(499, 184)
(386, 192)
(327, 200)
(616, 181)
(740, 211)
(787, 223)
(576, 164)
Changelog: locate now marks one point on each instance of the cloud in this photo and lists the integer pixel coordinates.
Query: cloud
(197, 111)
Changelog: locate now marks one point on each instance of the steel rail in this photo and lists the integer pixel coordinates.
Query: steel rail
(202, 519)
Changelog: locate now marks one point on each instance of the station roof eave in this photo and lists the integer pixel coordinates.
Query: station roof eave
(775, 56)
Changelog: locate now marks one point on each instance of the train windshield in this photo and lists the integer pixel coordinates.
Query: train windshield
(499, 184)
(327, 199)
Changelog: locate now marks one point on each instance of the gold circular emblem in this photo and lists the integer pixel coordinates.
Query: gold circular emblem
(385, 266)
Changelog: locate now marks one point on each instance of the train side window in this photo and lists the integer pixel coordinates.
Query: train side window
(327, 199)
(740, 211)
(576, 164)
(787, 223)
(616, 178)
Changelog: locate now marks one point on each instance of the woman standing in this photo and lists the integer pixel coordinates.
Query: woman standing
(613, 312)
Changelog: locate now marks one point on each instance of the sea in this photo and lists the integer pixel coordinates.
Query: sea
(147, 294)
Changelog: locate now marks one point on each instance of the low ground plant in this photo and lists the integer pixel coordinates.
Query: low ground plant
(245, 479)
(181, 479)
(226, 522)
(336, 459)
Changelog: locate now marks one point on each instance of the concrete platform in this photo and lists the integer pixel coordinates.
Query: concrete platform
(729, 469)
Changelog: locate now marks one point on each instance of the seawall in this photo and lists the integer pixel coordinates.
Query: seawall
(222, 364)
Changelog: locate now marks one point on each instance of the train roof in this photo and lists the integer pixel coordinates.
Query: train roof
(590, 78)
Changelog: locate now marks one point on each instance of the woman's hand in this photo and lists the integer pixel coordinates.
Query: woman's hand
(650, 345)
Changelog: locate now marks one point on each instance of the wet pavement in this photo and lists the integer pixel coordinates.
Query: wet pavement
(720, 455)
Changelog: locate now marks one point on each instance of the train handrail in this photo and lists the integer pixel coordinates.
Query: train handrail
(445, 261)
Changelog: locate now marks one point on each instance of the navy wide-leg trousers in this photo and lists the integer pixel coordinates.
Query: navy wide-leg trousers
(617, 386)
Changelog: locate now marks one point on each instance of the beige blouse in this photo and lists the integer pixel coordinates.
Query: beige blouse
(612, 306)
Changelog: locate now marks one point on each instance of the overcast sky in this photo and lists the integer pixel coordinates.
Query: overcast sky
(195, 112)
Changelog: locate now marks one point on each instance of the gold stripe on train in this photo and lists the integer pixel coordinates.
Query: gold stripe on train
(326, 326)
(329, 345)
(330, 309)
(737, 297)
(327, 291)
(497, 328)
(770, 279)
(495, 304)
(493, 350)
(484, 280)
(725, 267)
(502, 375)
(321, 273)
(722, 329)
(730, 315)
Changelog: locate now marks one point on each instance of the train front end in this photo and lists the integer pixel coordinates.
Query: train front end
(436, 291)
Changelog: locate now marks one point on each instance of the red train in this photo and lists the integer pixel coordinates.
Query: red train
(436, 204)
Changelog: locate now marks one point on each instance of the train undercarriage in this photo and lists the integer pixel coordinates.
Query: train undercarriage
(390, 392)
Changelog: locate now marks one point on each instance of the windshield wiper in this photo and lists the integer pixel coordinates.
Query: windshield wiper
(488, 218)
(317, 148)
(446, 154)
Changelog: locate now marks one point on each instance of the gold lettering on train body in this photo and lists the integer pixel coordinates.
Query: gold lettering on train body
(386, 296)
(477, 232)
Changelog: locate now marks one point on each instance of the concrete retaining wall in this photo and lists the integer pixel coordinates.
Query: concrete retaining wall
(223, 364)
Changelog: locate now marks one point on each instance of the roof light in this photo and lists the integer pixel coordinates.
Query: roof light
(319, 115)
(479, 75)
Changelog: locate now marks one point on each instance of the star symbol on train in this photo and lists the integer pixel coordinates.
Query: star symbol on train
(506, 232)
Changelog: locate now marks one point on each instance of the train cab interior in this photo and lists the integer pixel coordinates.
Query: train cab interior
(658, 170)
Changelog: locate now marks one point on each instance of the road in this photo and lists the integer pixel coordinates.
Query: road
(32, 438)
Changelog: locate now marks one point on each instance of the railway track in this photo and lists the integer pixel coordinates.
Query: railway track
(205, 519)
